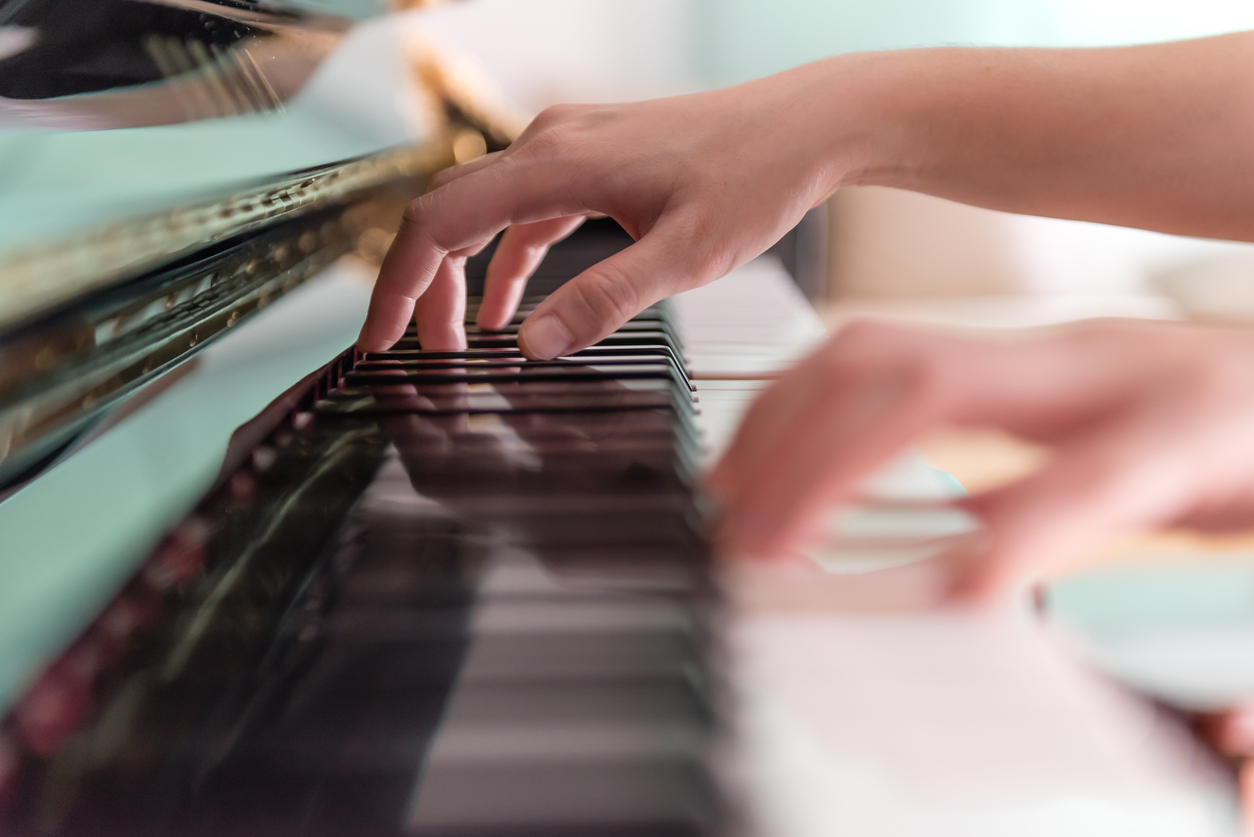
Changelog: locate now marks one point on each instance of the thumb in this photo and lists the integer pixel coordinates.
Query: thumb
(596, 302)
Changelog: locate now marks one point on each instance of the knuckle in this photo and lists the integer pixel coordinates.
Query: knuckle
(609, 298)
(535, 247)
(556, 140)
(554, 114)
(700, 245)
(556, 130)
(414, 215)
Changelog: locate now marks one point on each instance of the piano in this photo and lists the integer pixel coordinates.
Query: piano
(430, 593)
(255, 582)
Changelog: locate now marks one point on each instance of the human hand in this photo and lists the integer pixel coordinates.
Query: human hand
(1149, 425)
(702, 182)
(1129, 136)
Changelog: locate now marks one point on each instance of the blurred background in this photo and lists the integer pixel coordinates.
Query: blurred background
(890, 253)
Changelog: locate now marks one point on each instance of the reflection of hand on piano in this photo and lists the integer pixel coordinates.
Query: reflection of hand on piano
(451, 454)
(1148, 423)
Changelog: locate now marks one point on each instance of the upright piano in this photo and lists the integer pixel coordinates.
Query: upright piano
(419, 593)
(254, 582)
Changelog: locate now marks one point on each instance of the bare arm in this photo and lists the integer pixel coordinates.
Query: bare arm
(1150, 136)
(1154, 136)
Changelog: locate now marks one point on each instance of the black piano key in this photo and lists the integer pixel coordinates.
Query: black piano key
(593, 701)
(485, 341)
(451, 477)
(630, 327)
(515, 354)
(521, 374)
(419, 363)
(512, 352)
(536, 397)
(644, 797)
(362, 402)
(635, 324)
(600, 525)
(528, 304)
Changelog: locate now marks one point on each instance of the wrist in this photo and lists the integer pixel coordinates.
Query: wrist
(867, 116)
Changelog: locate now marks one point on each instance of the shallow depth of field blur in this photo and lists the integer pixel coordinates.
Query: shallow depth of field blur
(891, 253)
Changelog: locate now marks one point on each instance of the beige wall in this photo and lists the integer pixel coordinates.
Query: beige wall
(889, 244)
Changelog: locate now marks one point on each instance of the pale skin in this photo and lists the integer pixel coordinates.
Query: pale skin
(1150, 423)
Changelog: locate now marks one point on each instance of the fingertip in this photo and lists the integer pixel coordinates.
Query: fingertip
(490, 323)
(545, 338)
(447, 340)
(369, 340)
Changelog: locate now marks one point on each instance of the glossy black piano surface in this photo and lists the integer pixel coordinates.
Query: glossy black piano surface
(169, 168)
(418, 601)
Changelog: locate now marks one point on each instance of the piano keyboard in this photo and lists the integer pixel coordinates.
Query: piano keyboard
(452, 593)
(320, 648)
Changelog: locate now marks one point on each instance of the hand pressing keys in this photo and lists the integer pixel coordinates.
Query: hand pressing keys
(1150, 426)
(703, 183)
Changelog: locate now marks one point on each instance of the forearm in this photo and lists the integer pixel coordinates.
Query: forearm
(1158, 136)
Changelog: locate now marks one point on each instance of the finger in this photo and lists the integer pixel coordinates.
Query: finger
(459, 215)
(1123, 475)
(474, 249)
(439, 313)
(773, 411)
(836, 439)
(521, 249)
(448, 175)
(860, 352)
(606, 295)
(778, 407)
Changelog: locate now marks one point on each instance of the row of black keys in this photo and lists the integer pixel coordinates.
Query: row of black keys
(511, 635)
(584, 701)
(614, 418)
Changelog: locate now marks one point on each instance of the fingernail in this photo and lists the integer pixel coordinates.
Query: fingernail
(544, 339)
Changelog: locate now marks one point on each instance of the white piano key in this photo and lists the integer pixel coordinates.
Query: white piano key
(940, 725)
(754, 322)
(856, 722)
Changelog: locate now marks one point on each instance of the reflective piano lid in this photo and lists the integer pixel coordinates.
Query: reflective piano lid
(71, 537)
(188, 101)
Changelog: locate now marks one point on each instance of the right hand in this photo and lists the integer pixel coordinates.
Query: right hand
(702, 182)
(1148, 425)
